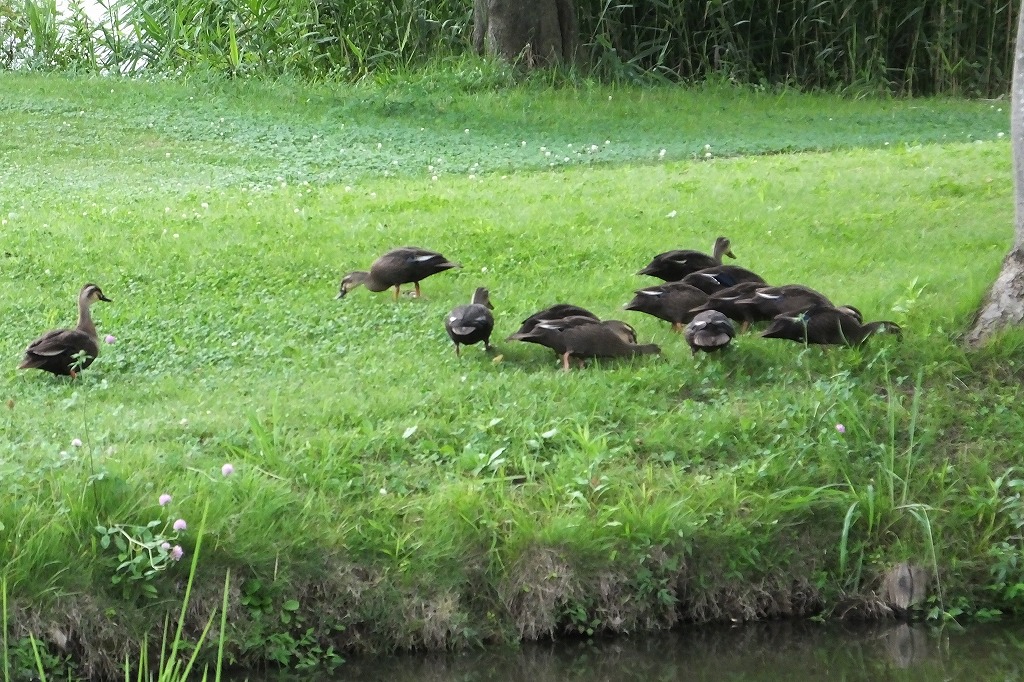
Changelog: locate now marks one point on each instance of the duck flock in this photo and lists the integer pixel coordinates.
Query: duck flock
(700, 297)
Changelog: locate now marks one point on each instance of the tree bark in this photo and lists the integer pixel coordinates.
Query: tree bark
(1004, 303)
(534, 33)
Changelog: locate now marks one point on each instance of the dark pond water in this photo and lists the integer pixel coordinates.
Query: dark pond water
(794, 652)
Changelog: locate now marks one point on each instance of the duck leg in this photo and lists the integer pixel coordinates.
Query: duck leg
(565, 361)
(458, 353)
(417, 285)
(677, 327)
(397, 289)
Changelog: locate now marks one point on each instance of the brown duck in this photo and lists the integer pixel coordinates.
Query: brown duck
(472, 323)
(581, 337)
(710, 280)
(709, 331)
(672, 266)
(556, 312)
(673, 302)
(731, 302)
(66, 351)
(395, 268)
(551, 333)
(769, 302)
(827, 325)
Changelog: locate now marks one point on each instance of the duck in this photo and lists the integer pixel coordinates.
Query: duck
(731, 302)
(710, 280)
(672, 302)
(555, 312)
(769, 302)
(709, 331)
(672, 266)
(582, 337)
(404, 265)
(550, 333)
(828, 325)
(472, 323)
(60, 351)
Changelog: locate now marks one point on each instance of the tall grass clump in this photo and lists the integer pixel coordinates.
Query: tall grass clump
(959, 47)
(306, 38)
(953, 46)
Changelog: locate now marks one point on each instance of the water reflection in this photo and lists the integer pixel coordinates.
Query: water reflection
(794, 652)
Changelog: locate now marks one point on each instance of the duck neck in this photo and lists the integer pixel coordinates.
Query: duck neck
(367, 280)
(872, 328)
(718, 251)
(646, 349)
(85, 323)
(481, 297)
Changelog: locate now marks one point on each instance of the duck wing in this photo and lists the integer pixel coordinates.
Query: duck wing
(672, 266)
(61, 341)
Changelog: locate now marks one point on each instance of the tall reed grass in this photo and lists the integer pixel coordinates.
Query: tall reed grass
(953, 46)
(960, 47)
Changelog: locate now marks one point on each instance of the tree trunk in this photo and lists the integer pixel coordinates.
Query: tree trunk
(1004, 304)
(534, 33)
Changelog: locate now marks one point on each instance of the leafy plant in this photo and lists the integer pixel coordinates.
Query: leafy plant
(142, 552)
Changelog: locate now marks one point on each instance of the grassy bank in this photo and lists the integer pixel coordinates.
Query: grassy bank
(388, 494)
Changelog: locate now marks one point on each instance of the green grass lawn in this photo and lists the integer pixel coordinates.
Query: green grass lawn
(389, 494)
